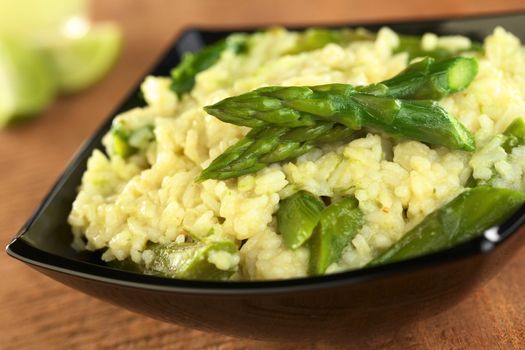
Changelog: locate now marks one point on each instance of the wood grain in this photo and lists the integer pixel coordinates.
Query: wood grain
(38, 313)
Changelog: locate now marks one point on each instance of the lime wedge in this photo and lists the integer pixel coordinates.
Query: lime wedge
(81, 62)
(27, 81)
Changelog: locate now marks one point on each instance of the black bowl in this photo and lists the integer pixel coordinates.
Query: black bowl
(347, 305)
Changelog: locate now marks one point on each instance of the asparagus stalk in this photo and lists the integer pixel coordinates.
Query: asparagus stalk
(270, 144)
(292, 107)
(127, 142)
(466, 216)
(183, 76)
(304, 106)
(428, 79)
(301, 111)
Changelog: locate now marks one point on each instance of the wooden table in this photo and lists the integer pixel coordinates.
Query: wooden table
(38, 313)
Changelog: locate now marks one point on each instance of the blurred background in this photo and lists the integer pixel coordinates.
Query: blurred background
(65, 64)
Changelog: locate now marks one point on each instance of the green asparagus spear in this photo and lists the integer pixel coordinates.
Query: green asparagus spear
(269, 144)
(468, 215)
(183, 76)
(428, 79)
(190, 260)
(303, 106)
(297, 218)
(339, 223)
(291, 107)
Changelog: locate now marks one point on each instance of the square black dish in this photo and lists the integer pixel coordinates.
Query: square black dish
(344, 305)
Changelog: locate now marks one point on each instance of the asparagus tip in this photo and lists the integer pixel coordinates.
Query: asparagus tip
(209, 109)
(202, 177)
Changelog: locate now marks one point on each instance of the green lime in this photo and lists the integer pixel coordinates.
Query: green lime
(39, 19)
(81, 62)
(27, 80)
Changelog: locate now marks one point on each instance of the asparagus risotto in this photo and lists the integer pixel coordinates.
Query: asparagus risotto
(333, 172)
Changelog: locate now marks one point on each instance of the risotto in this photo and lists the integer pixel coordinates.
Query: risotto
(141, 199)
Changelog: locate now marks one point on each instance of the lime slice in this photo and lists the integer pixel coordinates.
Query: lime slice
(81, 62)
(36, 19)
(27, 81)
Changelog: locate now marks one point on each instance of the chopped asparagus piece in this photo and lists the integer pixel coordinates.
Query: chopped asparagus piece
(297, 218)
(190, 260)
(515, 135)
(121, 144)
(339, 223)
(128, 142)
(466, 216)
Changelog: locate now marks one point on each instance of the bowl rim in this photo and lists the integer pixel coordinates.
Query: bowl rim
(22, 250)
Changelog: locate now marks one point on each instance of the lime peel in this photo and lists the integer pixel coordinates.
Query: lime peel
(81, 62)
(28, 84)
